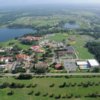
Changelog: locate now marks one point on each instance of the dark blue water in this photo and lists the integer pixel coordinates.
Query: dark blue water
(71, 26)
(7, 34)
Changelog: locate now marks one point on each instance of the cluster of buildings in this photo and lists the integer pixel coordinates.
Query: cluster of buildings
(72, 65)
(87, 64)
(10, 60)
(59, 50)
(38, 49)
(29, 39)
(52, 44)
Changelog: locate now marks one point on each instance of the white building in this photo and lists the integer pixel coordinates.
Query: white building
(93, 63)
(83, 64)
(80, 63)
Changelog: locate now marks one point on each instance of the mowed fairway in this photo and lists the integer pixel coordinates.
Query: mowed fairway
(80, 48)
(43, 87)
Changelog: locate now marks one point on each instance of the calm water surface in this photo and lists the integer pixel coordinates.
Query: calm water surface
(7, 34)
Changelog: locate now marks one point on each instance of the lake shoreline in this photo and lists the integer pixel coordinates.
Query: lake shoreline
(7, 34)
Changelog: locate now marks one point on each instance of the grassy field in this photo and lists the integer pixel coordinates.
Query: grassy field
(82, 52)
(58, 37)
(43, 86)
(14, 42)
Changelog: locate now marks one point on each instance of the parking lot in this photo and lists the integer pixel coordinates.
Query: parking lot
(70, 65)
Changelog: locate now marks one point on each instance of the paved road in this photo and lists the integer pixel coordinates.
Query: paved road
(56, 74)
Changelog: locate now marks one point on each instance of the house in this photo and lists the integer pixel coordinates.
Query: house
(8, 48)
(6, 59)
(93, 63)
(58, 66)
(2, 66)
(21, 57)
(29, 39)
(70, 50)
(90, 63)
(41, 65)
(37, 49)
(2, 51)
(82, 64)
(64, 51)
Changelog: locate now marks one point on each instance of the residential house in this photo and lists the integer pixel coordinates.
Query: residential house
(22, 57)
(64, 51)
(37, 49)
(6, 59)
(29, 39)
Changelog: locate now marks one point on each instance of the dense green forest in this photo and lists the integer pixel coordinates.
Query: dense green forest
(94, 47)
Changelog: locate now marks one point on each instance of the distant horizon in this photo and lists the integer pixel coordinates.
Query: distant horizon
(16, 3)
(38, 6)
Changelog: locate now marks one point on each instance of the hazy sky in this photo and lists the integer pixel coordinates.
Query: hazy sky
(31, 2)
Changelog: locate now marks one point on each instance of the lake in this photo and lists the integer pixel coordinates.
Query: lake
(7, 34)
(71, 26)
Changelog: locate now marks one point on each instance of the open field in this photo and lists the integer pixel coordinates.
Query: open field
(82, 52)
(58, 37)
(14, 42)
(44, 88)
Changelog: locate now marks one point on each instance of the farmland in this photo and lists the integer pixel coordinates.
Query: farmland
(45, 89)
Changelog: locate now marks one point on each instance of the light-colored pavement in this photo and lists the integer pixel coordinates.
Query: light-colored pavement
(56, 74)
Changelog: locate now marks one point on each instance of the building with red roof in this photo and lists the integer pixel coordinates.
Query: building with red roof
(58, 66)
(22, 57)
(37, 49)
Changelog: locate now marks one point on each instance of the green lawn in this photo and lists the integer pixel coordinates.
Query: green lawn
(59, 37)
(43, 87)
(15, 42)
(82, 52)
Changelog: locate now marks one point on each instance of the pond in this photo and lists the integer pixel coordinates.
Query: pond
(7, 34)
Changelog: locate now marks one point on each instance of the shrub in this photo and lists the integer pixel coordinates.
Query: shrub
(19, 69)
(63, 85)
(4, 85)
(10, 93)
(51, 95)
(45, 94)
(35, 85)
(58, 96)
(70, 96)
(16, 85)
(37, 93)
(30, 93)
(52, 85)
(63, 96)
(29, 86)
(24, 76)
